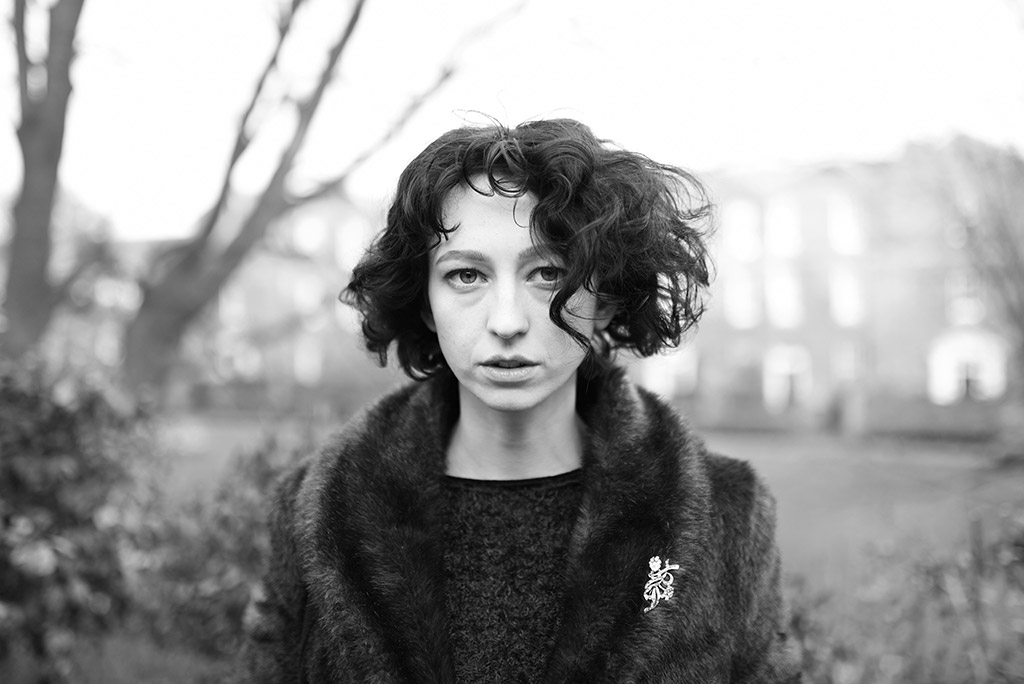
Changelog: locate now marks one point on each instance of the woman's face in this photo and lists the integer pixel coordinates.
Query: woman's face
(489, 291)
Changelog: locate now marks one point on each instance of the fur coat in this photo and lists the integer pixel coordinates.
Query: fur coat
(354, 591)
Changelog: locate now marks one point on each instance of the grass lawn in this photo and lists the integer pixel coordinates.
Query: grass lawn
(840, 499)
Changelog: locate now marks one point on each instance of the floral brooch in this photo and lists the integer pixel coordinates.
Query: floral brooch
(659, 586)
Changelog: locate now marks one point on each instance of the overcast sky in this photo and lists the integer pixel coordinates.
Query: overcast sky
(700, 83)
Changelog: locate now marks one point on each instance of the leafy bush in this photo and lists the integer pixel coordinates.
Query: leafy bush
(194, 564)
(64, 454)
(924, 620)
(90, 544)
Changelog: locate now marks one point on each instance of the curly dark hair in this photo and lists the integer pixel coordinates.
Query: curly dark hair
(631, 228)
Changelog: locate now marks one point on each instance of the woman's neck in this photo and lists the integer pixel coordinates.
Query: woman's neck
(504, 445)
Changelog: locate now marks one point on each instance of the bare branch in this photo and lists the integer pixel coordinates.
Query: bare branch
(481, 31)
(332, 185)
(180, 262)
(64, 17)
(242, 137)
(271, 202)
(286, 16)
(24, 65)
(474, 35)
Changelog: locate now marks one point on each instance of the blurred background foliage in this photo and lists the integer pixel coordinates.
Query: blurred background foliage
(91, 544)
(65, 458)
(922, 617)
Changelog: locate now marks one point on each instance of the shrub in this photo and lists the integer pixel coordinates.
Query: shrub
(954, 620)
(64, 454)
(195, 563)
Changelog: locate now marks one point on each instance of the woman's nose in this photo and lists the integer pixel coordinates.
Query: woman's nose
(507, 316)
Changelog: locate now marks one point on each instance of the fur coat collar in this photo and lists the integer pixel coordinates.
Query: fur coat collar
(362, 521)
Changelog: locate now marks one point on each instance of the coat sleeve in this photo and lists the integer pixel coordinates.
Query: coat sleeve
(762, 651)
(273, 621)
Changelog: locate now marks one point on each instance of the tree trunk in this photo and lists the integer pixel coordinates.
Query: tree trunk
(151, 343)
(30, 296)
(175, 299)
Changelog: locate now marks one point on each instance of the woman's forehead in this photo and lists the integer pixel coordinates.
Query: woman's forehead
(469, 204)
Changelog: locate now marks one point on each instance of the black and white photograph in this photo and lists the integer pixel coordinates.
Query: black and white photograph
(512, 342)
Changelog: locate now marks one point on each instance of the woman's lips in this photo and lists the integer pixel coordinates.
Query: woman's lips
(508, 370)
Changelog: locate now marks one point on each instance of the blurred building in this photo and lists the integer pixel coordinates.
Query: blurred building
(844, 299)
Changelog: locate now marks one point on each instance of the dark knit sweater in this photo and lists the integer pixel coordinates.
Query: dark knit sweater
(505, 557)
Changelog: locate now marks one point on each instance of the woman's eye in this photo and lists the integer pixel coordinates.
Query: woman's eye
(550, 274)
(464, 277)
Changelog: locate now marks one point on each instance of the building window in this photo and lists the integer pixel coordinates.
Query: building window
(964, 305)
(742, 299)
(671, 375)
(741, 231)
(783, 295)
(782, 235)
(843, 223)
(967, 364)
(786, 382)
(846, 297)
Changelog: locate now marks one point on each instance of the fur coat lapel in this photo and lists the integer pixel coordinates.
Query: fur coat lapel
(369, 536)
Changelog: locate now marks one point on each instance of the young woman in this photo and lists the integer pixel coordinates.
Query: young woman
(524, 513)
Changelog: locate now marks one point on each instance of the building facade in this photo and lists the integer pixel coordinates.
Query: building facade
(844, 299)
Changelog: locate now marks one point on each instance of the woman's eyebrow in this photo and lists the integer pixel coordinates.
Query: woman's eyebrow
(461, 255)
(535, 252)
(528, 254)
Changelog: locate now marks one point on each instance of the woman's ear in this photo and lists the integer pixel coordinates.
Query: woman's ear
(428, 318)
(605, 313)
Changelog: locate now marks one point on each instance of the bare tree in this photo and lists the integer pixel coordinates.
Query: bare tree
(44, 90)
(183, 278)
